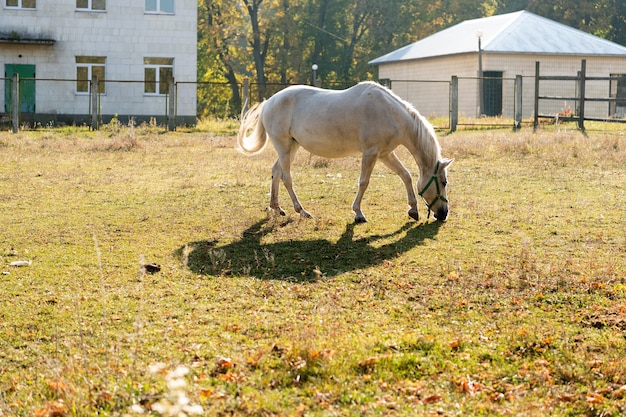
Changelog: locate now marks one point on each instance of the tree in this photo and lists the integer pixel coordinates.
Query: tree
(364, 14)
(259, 43)
(284, 58)
(216, 33)
(604, 18)
(320, 34)
(617, 32)
(277, 41)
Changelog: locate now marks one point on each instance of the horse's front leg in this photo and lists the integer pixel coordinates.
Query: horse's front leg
(367, 166)
(394, 164)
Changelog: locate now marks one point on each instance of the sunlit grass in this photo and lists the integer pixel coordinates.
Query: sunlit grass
(218, 126)
(515, 306)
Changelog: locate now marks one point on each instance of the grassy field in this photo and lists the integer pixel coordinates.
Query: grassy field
(516, 305)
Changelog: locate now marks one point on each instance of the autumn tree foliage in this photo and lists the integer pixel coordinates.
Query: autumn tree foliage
(278, 41)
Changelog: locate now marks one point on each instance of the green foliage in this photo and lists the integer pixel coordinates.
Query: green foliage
(605, 18)
(278, 41)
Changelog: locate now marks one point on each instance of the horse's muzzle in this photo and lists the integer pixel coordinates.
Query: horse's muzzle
(441, 214)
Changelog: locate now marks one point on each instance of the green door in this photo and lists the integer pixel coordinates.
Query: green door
(492, 93)
(27, 87)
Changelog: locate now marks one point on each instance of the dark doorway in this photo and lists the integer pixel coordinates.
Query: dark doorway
(27, 87)
(617, 90)
(492, 93)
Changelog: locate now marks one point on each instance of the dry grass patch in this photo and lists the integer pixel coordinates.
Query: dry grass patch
(515, 305)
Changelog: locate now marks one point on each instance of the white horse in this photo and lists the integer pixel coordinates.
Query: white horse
(368, 119)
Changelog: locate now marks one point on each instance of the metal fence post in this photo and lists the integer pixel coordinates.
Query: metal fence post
(246, 95)
(581, 107)
(171, 108)
(15, 105)
(93, 96)
(518, 103)
(454, 103)
(536, 116)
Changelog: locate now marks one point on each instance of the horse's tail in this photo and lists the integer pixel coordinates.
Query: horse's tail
(254, 142)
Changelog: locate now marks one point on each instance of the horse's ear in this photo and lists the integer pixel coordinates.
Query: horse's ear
(445, 162)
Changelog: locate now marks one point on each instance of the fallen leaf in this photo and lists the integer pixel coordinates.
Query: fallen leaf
(58, 387)
(453, 276)
(232, 376)
(497, 396)
(454, 344)
(254, 358)
(594, 398)
(368, 362)
(314, 354)
(206, 393)
(466, 385)
(619, 393)
(412, 387)
(232, 327)
(595, 364)
(52, 409)
(566, 398)
(364, 298)
(431, 399)
(103, 398)
(224, 363)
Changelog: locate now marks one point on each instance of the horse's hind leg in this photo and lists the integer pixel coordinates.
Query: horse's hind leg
(367, 166)
(277, 174)
(394, 164)
(285, 158)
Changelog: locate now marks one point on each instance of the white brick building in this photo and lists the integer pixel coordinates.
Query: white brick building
(510, 45)
(136, 46)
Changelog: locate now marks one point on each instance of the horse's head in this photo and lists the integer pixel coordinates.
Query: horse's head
(433, 190)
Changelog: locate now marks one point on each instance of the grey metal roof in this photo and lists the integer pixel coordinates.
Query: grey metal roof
(518, 32)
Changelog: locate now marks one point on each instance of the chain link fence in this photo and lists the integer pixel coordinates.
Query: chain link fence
(493, 100)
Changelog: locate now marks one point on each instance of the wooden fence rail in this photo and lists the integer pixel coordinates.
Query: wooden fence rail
(580, 98)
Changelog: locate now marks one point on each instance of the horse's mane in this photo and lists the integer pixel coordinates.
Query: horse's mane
(426, 139)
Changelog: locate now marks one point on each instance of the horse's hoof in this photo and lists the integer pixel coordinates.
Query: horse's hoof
(414, 215)
(278, 210)
(360, 219)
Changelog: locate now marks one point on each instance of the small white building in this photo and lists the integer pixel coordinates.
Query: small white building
(497, 49)
(134, 46)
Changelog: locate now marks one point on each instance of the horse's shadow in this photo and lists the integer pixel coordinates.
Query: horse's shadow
(300, 260)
